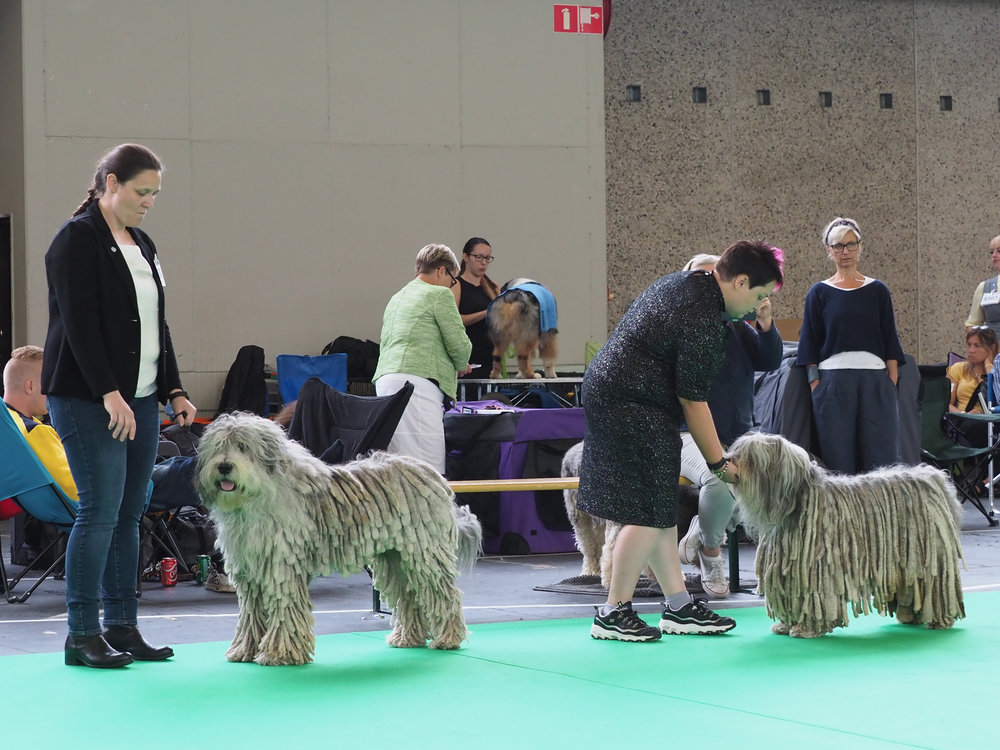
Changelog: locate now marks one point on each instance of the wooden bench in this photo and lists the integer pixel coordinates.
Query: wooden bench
(515, 485)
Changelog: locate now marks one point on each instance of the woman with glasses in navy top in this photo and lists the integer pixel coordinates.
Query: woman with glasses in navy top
(851, 353)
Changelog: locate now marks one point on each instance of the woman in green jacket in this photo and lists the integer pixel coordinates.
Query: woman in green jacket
(424, 342)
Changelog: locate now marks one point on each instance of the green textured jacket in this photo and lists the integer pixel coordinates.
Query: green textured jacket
(423, 335)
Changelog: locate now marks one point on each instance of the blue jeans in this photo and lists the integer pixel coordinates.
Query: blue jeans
(112, 478)
(173, 483)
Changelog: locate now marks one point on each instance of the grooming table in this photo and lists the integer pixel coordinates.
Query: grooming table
(523, 387)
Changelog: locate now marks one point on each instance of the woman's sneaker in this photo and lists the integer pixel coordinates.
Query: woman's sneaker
(622, 624)
(694, 618)
(689, 547)
(713, 575)
(219, 581)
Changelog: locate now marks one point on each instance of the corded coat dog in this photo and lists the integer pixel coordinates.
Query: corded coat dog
(523, 315)
(284, 517)
(596, 537)
(886, 541)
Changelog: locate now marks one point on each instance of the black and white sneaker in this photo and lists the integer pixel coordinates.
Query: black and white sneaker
(622, 624)
(694, 618)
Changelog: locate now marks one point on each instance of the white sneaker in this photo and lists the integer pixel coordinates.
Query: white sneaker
(219, 581)
(690, 545)
(713, 575)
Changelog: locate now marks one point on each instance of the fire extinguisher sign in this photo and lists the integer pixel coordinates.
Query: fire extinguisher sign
(578, 19)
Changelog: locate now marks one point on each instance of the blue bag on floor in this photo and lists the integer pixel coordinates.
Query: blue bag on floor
(296, 369)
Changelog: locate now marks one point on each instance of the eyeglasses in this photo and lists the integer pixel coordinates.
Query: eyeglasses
(845, 247)
(487, 259)
(453, 279)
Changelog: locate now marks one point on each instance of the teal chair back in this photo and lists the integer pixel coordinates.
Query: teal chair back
(24, 479)
(28, 483)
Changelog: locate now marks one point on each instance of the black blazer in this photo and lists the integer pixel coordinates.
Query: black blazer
(92, 345)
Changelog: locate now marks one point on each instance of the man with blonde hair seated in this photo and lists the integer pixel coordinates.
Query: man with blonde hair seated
(25, 401)
(22, 393)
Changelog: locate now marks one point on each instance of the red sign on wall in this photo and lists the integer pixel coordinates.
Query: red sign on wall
(566, 19)
(591, 19)
(578, 19)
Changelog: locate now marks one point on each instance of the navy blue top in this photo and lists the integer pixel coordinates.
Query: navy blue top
(848, 320)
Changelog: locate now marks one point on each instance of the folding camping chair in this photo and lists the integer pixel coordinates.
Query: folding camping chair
(155, 528)
(295, 369)
(157, 521)
(966, 465)
(339, 427)
(28, 483)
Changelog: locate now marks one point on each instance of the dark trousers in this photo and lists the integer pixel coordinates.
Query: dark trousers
(857, 420)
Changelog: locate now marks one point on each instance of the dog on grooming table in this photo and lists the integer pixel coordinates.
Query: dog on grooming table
(523, 315)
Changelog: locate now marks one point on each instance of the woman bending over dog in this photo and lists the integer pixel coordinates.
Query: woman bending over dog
(652, 376)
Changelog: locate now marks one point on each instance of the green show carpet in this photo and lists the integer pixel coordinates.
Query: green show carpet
(540, 684)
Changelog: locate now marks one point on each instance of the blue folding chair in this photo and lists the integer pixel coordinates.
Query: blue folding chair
(295, 369)
(28, 483)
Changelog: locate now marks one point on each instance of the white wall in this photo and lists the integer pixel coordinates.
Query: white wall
(312, 147)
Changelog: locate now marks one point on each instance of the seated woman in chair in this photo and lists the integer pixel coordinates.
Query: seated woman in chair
(966, 377)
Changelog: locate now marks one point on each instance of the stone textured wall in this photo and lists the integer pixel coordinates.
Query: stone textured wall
(923, 183)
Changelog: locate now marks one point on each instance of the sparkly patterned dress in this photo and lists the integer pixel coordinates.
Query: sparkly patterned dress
(669, 344)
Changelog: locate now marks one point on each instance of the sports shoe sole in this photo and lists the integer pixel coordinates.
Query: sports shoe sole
(600, 634)
(677, 628)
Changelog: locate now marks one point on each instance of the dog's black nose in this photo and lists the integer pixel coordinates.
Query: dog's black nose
(225, 467)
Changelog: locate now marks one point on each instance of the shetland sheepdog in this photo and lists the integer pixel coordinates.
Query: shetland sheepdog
(514, 319)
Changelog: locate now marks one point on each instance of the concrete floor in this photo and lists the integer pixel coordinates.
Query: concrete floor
(500, 589)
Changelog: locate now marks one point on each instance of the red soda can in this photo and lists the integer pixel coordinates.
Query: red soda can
(168, 571)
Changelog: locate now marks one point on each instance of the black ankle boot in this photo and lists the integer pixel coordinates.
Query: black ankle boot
(94, 651)
(128, 638)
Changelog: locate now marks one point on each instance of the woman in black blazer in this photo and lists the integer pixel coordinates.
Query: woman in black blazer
(108, 365)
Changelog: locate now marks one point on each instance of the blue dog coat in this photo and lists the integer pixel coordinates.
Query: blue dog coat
(547, 316)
